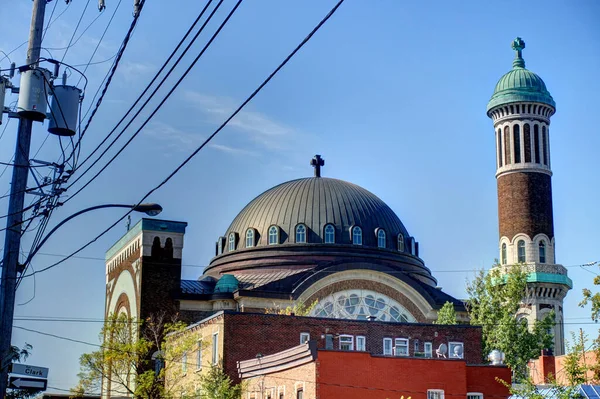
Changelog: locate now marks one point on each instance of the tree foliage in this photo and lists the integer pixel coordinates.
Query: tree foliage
(133, 358)
(495, 300)
(217, 385)
(17, 355)
(447, 314)
(299, 309)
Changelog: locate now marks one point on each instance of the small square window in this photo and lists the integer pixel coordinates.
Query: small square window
(304, 338)
(346, 342)
(474, 395)
(361, 343)
(435, 394)
(401, 346)
(456, 350)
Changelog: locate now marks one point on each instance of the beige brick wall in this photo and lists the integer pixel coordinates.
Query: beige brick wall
(286, 382)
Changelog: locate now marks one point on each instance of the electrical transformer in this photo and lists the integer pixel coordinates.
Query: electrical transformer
(64, 110)
(33, 94)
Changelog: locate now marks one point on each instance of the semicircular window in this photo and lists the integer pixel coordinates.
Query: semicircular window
(301, 233)
(360, 305)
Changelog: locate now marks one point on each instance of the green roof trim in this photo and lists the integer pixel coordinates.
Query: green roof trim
(227, 283)
(144, 224)
(549, 278)
(520, 84)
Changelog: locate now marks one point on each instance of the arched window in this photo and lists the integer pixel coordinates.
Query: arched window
(544, 146)
(400, 242)
(517, 143)
(381, 238)
(503, 255)
(249, 238)
(536, 142)
(507, 145)
(329, 233)
(356, 235)
(527, 141)
(301, 233)
(500, 160)
(542, 251)
(231, 241)
(273, 235)
(521, 251)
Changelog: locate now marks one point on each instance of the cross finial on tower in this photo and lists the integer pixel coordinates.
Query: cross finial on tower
(316, 163)
(518, 45)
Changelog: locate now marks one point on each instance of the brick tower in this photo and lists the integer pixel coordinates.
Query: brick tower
(521, 108)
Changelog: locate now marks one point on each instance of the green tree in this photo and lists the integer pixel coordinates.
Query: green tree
(593, 299)
(446, 315)
(217, 385)
(134, 358)
(17, 355)
(495, 300)
(299, 309)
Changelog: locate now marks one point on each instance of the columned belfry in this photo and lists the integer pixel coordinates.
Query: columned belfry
(521, 108)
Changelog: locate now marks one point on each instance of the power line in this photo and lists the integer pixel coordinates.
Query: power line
(131, 108)
(220, 128)
(75, 31)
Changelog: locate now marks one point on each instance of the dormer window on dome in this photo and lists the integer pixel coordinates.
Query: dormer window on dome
(301, 234)
(273, 235)
(381, 243)
(329, 234)
(250, 238)
(401, 242)
(231, 242)
(356, 235)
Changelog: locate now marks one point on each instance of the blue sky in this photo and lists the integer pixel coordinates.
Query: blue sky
(392, 94)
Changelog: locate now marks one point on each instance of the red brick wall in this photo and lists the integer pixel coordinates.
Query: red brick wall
(354, 375)
(525, 204)
(247, 334)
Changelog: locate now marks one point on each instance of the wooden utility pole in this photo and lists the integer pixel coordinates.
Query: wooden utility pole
(12, 241)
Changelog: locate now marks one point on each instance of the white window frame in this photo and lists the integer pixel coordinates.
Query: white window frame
(521, 259)
(402, 343)
(350, 341)
(215, 348)
(452, 345)
(428, 349)
(542, 248)
(387, 347)
(435, 394)
(231, 246)
(304, 337)
(302, 234)
(199, 356)
(357, 236)
(361, 343)
(250, 238)
(381, 238)
(274, 235)
(330, 234)
(474, 395)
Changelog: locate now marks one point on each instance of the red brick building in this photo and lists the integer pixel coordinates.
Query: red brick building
(305, 372)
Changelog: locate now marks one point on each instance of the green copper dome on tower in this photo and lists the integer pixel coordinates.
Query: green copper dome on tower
(520, 84)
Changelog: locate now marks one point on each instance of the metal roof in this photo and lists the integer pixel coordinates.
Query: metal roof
(315, 202)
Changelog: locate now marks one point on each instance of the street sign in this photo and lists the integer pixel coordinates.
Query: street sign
(29, 371)
(27, 383)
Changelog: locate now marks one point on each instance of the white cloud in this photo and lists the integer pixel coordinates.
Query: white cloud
(233, 150)
(259, 127)
(173, 138)
(134, 70)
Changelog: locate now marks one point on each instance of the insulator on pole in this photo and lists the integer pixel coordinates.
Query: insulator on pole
(136, 7)
(64, 110)
(101, 5)
(64, 78)
(56, 70)
(12, 70)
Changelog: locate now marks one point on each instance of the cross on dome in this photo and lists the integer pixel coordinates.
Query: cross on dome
(518, 45)
(316, 163)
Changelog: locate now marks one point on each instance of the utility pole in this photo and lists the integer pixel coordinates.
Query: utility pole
(12, 242)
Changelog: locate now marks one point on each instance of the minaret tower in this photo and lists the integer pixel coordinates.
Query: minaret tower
(521, 108)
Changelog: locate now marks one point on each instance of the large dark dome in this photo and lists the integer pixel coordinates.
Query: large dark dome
(316, 202)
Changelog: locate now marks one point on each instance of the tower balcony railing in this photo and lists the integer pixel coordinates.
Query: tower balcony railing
(536, 267)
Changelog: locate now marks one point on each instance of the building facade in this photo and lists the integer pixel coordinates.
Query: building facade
(229, 337)
(521, 108)
(305, 372)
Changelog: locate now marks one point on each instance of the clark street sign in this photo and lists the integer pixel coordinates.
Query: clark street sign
(30, 371)
(27, 383)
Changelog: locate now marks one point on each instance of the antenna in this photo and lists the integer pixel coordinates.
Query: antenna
(441, 350)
